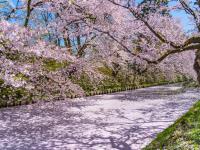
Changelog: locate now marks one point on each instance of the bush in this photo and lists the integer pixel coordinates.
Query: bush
(53, 65)
(84, 82)
(9, 95)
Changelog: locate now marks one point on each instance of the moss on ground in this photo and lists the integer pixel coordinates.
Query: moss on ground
(53, 65)
(105, 70)
(184, 134)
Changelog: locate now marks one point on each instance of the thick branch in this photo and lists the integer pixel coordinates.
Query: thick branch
(191, 12)
(161, 37)
(174, 51)
(28, 13)
(192, 40)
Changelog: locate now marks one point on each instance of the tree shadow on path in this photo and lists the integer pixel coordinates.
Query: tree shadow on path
(96, 123)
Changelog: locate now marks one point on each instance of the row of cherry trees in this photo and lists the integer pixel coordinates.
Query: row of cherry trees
(84, 32)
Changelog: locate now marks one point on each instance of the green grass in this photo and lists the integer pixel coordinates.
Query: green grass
(184, 134)
(191, 84)
(53, 65)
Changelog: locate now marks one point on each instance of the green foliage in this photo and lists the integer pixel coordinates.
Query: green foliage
(21, 76)
(53, 65)
(105, 70)
(183, 134)
(16, 56)
(107, 84)
(9, 94)
(125, 79)
(114, 80)
(195, 135)
(84, 82)
(12, 56)
(1, 82)
(190, 84)
(178, 78)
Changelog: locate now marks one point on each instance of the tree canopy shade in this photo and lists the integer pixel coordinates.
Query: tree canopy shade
(81, 32)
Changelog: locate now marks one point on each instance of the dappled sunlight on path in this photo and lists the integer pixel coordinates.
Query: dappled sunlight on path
(124, 121)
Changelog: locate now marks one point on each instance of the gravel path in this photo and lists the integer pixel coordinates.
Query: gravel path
(121, 121)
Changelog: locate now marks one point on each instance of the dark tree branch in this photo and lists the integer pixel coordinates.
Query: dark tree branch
(192, 43)
(174, 51)
(191, 12)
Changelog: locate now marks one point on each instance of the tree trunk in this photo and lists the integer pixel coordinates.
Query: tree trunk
(28, 13)
(68, 44)
(197, 65)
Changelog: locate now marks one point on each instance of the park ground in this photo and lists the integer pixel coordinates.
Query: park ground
(127, 120)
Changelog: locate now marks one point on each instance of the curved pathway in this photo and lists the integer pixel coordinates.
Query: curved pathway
(120, 121)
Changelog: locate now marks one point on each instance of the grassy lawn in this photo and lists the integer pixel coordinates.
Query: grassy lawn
(184, 134)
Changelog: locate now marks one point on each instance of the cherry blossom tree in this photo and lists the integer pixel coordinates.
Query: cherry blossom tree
(166, 31)
(81, 33)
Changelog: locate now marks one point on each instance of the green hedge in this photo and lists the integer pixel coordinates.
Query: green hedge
(10, 96)
(112, 82)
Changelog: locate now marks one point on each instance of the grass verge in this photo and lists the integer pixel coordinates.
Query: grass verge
(184, 134)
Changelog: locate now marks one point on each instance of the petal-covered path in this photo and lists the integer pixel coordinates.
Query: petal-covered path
(120, 121)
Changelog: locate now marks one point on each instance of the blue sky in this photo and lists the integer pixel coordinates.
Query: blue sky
(183, 17)
(187, 25)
